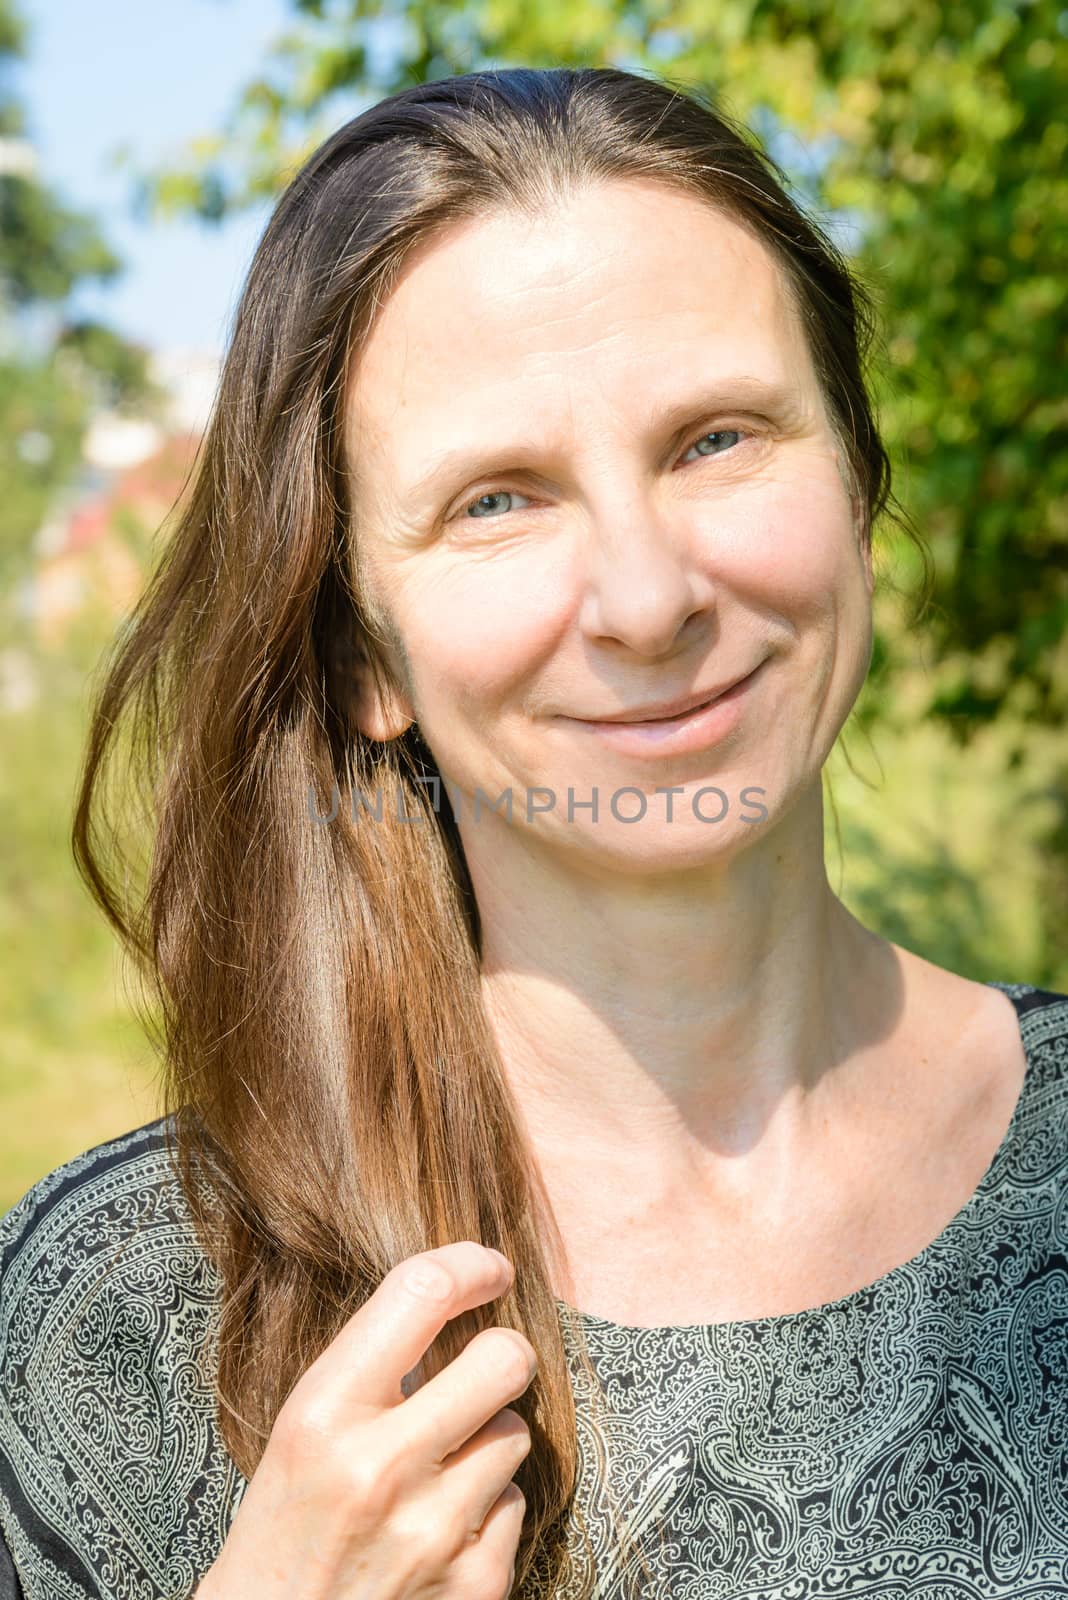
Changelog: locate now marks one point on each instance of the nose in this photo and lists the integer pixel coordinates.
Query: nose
(641, 581)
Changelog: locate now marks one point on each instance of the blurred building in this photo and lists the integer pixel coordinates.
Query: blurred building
(97, 542)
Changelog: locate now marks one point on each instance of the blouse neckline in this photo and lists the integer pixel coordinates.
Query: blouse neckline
(604, 1328)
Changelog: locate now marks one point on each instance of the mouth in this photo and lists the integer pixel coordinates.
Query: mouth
(683, 733)
(669, 717)
(677, 716)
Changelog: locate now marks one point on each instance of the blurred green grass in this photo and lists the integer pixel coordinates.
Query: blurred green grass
(75, 1065)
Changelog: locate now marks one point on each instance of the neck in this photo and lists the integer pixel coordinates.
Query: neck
(652, 1016)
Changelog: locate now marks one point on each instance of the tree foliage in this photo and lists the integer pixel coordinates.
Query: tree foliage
(933, 136)
(930, 141)
(55, 370)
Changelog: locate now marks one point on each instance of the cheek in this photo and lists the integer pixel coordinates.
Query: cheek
(473, 635)
(791, 545)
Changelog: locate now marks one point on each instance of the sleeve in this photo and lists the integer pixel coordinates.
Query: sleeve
(10, 1587)
(114, 1483)
(36, 1557)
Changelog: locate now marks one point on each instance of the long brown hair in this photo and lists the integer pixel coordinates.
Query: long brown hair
(336, 1092)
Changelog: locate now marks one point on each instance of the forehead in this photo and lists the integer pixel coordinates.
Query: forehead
(623, 292)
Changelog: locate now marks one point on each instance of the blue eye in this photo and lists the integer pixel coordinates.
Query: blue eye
(494, 494)
(482, 505)
(722, 433)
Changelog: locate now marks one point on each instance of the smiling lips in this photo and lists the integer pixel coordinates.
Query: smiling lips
(675, 716)
(672, 710)
(685, 731)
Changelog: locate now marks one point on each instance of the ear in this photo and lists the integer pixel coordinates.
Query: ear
(382, 719)
(381, 708)
(865, 545)
(861, 533)
(374, 698)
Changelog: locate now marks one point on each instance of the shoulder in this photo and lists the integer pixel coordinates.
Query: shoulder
(87, 1180)
(1042, 1015)
(104, 1229)
(1028, 997)
(112, 1478)
(1042, 1020)
(1029, 1175)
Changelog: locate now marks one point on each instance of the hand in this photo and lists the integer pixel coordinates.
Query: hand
(363, 1494)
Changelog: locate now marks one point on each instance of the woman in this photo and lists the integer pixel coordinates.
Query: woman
(522, 589)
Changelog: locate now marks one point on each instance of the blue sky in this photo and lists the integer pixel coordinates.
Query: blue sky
(153, 74)
(100, 73)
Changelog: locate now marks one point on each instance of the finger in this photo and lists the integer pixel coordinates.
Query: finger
(486, 1564)
(495, 1367)
(388, 1336)
(473, 1477)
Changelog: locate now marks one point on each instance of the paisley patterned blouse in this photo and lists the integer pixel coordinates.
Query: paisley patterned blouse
(909, 1439)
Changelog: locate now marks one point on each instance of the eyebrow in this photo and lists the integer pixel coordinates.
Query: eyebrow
(466, 462)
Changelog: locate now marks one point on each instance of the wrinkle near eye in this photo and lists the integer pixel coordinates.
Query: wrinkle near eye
(463, 512)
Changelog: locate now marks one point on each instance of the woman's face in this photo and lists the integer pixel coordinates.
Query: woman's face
(593, 474)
